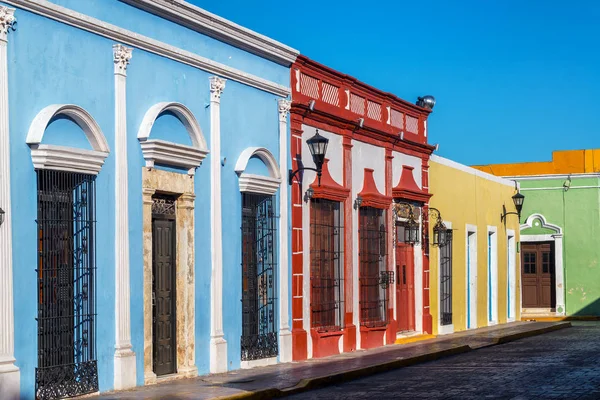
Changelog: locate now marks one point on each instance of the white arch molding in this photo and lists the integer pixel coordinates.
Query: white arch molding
(258, 183)
(557, 238)
(158, 151)
(65, 158)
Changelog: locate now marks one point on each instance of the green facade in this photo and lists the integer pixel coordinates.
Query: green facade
(576, 211)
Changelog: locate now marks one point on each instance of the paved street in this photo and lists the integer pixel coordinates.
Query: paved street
(560, 365)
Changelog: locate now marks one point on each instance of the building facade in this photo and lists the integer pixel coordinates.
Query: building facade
(475, 277)
(559, 229)
(356, 283)
(145, 233)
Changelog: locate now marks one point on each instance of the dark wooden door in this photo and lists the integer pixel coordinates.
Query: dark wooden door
(538, 275)
(164, 326)
(405, 291)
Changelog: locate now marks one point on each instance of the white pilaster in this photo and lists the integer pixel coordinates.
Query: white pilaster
(124, 374)
(9, 372)
(285, 335)
(560, 274)
(218, 344)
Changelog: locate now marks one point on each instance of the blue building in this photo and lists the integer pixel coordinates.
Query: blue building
(144, 223)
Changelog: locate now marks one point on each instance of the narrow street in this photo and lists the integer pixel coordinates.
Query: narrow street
(560, 365)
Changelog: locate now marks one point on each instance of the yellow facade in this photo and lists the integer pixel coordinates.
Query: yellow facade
(471, 200)
(563, 162)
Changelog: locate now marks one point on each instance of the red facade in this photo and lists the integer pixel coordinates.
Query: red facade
(359, 115)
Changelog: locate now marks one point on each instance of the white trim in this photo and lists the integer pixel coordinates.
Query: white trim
(536, 238)
(493, 269)
(285, 334)
(10, 376)
(158, 151)
(258, 183)
(80, 116)
(545, 224)
(469, 170)
(263, 362)
(64, 158)
(511, 280)
(190, 16)
(443, 329)
(218, 344)
(552, 176)
(471, 275)
(124, 358)
(61, 158)
(112, 32)
(562, 188)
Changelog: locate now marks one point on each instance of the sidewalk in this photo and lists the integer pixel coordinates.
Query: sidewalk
(285, 379)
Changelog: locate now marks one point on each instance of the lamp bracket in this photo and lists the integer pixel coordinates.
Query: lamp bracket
(292, 174)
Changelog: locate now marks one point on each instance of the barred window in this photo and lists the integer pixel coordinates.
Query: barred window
(372, 255)
(326, 265)
(66, 285)
(446, 280)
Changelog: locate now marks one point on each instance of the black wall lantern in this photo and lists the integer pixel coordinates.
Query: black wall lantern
(1, 216)
(411, 226)
(518, 200)
(318, 147)
(440, 232)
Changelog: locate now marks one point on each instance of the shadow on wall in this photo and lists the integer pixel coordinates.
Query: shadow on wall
(591, 310)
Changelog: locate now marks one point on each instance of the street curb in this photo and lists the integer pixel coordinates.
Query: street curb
(308, 384)
(534, 332)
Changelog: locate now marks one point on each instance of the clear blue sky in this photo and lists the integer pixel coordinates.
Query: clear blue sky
(513, 79)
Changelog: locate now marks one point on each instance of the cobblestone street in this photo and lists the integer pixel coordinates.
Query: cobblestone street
(560, 365)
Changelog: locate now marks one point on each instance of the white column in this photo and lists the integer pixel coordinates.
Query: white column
(124, 374)
(218, 345)
(9, 372)
(560, 274)
(285, 335)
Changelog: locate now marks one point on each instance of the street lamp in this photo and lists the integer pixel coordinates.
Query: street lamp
(440, 232)
(411, 227)
(426, 102)
(318, 147)
(518, 200)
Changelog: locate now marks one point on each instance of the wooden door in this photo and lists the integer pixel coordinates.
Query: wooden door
(538, 275)
(405, 291)
(164, 323)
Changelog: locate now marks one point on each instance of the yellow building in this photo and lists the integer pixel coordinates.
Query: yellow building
(475, 277)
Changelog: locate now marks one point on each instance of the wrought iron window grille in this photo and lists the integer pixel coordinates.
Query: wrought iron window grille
(446, 280)
(372, 255)
(66, 285)
(327, 265)
(259, 265)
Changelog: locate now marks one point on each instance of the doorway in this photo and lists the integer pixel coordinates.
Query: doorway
(163, 285)
(471, 277)
(538, 275)
(405, 285)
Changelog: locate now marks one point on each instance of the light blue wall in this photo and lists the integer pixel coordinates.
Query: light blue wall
(67, 65)
(142, 22)
(59, 66)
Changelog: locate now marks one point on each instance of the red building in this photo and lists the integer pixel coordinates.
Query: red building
(357, 280)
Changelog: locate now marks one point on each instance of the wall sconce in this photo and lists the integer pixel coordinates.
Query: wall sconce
(1, 216)
(358, 202)
(440, 232)
(311, 105)
(308, 194)
(318, 147)
(518, 200)
(411, 226)
(361, 122)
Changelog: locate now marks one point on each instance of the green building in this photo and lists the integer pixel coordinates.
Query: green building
(560, 233)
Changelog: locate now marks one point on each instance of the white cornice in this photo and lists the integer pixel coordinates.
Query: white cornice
(168, 153)
(113, 32)
(258, 184)
(47, 156)
(552, 176)
(199, 20)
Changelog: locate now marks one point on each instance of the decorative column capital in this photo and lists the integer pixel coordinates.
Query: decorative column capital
(7, 22)
(121, 58)
(217, 85)
(284, 107)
